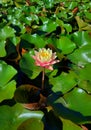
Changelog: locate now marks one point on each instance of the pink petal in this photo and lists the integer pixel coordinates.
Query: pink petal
(49, 67)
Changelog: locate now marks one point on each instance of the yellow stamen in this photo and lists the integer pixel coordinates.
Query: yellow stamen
(44, 54)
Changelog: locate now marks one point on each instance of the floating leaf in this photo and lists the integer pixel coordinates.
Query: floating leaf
(15, 40)
(7, 91)
(49, 26)
(32, 124)
(86, 85)
(7, 86)
(64, 82)
(84, 73)
(81, 38)
(7, 32)
(28, 66)
(63, 110)
(88, 15)
(69, 125)
(72, 5)
(6, 73)
(65, 45)
(13, 117)
(35, 39)
(81, 56)
(78, 100)
(68, 27)
(2, 48)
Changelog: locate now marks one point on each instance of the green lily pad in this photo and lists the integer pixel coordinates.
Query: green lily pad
(7, 91)
(49, 26)
(6, 32)
(81, 38)
(65, 45)
(7, 86)
(35, 39)
(27, 65)
(2, 48)
(62, 109)
(6, 73)
(86, 85)
(78, 100)
(85, 72)
(32, 124)
(63, 82)
(69, 125)
(68, 27)
(13, 117)
(81, 56)
(88, 15)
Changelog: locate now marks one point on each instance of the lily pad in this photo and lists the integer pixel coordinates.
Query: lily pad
(6, 32)
(78, 100)
(27, 65)
(81, 56)
(7, 72)
(65, 45)
(81, 38)
(7, 91)
(64, 82)
(2, 48)
(13, 117)
(7, 86)
(32, 124)
(35, 39)
(69, 125)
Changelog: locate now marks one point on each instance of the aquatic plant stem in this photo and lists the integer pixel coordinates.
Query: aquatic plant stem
(43, 78)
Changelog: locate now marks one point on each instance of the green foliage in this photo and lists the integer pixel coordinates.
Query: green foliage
(67, 82)
(7, 84)
(65, 45)
(16, 117)
(65, 27)
(29, 68)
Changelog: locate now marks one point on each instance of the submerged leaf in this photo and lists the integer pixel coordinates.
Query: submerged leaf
(30, 97)
(27, 94)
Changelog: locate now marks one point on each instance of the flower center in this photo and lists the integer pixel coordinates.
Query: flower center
(45, 55)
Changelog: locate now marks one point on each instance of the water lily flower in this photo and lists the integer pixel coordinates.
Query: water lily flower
(45, 58)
